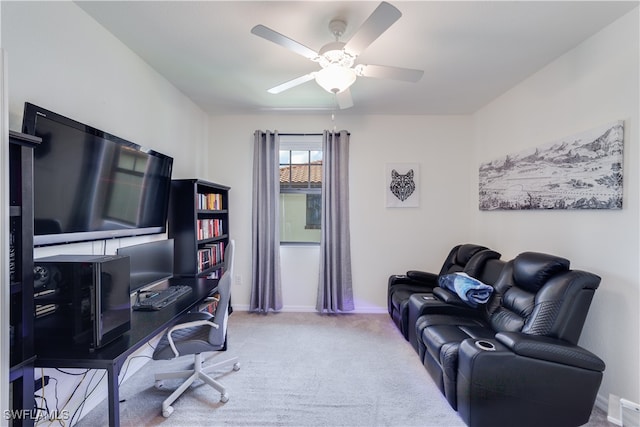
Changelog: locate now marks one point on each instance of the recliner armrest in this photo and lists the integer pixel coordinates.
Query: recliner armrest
(449, 297)
(540, 387)
(422, 276)
(550, 349)
(403, 279)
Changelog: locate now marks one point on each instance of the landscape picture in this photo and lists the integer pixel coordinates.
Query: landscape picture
(582, 171)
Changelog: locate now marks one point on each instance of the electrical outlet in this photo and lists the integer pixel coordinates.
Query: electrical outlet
(237, 279)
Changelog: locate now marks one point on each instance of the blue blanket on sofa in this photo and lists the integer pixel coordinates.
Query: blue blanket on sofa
(471, 291)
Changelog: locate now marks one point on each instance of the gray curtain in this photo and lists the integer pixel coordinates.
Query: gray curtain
(335, 292)
(266, 288)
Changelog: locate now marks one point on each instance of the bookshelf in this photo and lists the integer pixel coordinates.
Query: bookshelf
(199, 225)
(21, 345)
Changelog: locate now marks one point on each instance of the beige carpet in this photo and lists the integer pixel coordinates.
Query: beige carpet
(300, 369)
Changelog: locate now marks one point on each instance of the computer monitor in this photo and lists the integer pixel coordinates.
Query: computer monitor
(151, 262)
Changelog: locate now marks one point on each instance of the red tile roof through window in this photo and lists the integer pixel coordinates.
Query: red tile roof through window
(300, 173)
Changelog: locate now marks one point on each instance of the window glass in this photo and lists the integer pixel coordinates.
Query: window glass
(299, 157)
(300, 190)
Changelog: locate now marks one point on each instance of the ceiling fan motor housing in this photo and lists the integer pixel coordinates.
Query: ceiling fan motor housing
(334, 54)
(337, 27)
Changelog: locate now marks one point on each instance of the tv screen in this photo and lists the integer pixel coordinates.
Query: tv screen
(91, 185)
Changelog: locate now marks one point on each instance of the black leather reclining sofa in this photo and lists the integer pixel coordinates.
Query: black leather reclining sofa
(401, 287)
(513, 361)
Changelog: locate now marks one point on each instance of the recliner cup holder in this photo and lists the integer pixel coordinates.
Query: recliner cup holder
(485, 345)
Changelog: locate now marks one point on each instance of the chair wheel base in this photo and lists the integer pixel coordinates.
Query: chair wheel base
(224, 398)
(236, 366)
(159, 384)
(167, 412)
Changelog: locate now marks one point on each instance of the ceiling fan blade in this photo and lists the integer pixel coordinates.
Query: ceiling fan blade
(386, 72)
(344, 99)
(377, 23)
(284, 41)
(292, 83)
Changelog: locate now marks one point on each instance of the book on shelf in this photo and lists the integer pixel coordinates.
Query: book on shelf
(210, 255)
(210, 201)
(209, 228)
(216, 252)
(204, 259)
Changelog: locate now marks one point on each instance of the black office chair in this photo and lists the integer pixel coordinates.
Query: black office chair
(197, 333)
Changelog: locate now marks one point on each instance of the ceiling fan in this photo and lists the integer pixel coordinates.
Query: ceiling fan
(337, 59)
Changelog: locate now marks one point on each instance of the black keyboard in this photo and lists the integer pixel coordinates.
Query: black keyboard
(157, 300)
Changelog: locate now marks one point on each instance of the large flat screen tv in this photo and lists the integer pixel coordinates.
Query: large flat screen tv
(91, 185)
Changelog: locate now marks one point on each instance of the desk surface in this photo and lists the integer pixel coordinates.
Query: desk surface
(144, 326)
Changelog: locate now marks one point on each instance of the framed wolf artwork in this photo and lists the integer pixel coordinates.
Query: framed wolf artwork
(402, 185)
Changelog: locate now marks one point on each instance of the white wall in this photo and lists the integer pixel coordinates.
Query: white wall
(61, 59)
(384, 241)
(593, 84)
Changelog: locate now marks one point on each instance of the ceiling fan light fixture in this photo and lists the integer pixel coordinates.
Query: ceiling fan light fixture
(335, 79)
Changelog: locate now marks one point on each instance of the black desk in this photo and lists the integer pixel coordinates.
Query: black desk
(144, 326)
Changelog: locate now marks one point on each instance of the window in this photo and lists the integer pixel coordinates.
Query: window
(300, 188)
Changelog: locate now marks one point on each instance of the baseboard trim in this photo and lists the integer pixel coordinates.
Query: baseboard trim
(312, 309)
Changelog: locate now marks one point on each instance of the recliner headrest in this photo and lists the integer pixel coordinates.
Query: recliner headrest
(477, 262)
(466, 251)
(531, 270)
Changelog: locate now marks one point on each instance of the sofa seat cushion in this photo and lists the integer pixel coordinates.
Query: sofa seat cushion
(399, 300)
(439, 331)
(441, 337)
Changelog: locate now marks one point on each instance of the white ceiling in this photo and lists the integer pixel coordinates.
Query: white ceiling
(471, 51)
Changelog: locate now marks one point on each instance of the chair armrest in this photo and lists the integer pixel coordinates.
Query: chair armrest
(418, 281)
(526, 380)
(186, 325)
(550, 349)
(449, 297)
(427, 278)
